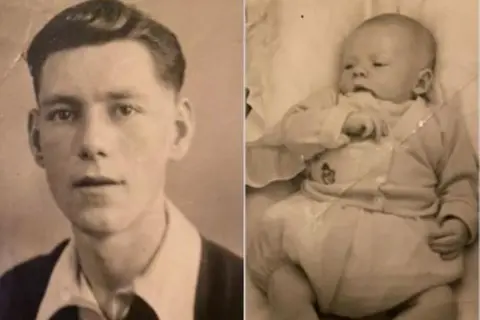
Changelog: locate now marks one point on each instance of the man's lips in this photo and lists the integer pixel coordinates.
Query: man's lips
(98, 181)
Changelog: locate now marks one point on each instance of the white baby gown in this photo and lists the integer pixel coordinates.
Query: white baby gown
(359, 260)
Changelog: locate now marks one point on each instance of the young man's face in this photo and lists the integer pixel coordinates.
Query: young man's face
(107, 128)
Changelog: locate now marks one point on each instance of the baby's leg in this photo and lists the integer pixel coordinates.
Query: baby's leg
(434, 304)
(290, 295)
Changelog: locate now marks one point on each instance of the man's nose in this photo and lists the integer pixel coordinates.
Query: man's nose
(94, 137)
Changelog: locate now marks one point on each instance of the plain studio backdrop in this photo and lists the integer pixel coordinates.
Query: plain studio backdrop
(207, 185)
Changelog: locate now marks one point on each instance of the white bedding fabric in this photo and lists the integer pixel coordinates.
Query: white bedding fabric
(292, 47)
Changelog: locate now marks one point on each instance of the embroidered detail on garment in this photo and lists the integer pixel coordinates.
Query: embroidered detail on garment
(328, 175)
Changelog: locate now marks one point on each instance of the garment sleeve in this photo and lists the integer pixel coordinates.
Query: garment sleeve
(307, 129)
(458, 172)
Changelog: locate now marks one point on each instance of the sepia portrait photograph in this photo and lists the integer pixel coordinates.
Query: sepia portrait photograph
(121, 159)
(361, 160)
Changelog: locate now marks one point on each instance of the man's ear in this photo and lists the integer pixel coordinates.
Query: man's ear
(34, 137)
(424, 82)
(184, 129)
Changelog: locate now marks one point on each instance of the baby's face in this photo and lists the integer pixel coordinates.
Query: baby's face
(380, 59)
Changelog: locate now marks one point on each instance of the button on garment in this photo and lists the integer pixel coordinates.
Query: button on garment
(359, 169)
(381, 180)
(378, 200)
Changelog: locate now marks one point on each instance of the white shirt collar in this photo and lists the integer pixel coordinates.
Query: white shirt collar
(168, 286)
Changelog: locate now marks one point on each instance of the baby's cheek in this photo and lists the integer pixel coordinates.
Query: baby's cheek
(344, 85)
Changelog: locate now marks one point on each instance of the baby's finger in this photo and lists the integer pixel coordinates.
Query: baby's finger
(443, 249)
(439, 233)
(444, 241)
(438, 249)
(449, 256)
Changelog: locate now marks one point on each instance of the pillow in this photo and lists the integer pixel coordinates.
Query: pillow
(293, 51)
(262, 30)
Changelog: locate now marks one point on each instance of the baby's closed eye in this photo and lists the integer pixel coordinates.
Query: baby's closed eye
(377, 64)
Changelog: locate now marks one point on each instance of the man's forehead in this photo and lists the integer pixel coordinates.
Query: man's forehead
(111, 58)
(123, 67)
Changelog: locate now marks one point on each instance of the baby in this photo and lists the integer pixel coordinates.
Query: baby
(390, 199)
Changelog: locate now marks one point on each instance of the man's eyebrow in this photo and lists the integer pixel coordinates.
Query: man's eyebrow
(59, 99)
(65, 99)
(121, 95)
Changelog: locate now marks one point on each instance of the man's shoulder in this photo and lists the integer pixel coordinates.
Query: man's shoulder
(22, 287)
(220, 284)
(39, 261)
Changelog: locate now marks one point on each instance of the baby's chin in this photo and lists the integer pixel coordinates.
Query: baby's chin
(357, 89)
(363, 94)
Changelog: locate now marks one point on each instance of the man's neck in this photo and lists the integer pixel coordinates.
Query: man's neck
(113, 261)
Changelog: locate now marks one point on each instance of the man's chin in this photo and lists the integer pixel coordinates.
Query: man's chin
(101, 222)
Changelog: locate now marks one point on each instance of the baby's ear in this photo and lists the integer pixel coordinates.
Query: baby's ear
(424, 82)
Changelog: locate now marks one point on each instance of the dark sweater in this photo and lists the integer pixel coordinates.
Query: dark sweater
(219, 287)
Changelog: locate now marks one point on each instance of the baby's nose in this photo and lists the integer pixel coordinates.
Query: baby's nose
(359, 71)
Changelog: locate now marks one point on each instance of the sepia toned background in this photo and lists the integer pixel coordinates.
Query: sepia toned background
(207, 185)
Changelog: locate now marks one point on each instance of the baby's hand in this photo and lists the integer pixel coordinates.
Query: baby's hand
(365, 125)
(449, 238)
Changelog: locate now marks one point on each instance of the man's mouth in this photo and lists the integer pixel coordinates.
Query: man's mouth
(100, 181)
(360, 88)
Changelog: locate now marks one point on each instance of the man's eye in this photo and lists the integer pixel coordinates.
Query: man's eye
(60, 115)
(348, 66)
(124, 110)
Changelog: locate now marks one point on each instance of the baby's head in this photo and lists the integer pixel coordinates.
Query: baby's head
(391, 56)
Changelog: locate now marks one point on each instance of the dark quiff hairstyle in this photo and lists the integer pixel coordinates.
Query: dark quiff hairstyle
(97, 22)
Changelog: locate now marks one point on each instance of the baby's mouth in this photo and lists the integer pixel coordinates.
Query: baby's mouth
(360, 88)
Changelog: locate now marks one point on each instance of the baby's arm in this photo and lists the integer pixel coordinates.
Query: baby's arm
(281, 152)
(315, 125)
(457, 171)
(310, 127)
